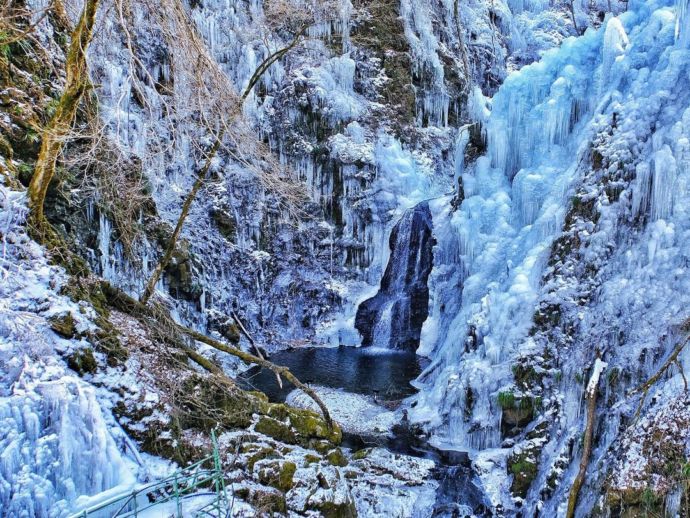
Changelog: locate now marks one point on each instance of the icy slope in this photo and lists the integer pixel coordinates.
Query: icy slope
(589, 144)
(56, 443)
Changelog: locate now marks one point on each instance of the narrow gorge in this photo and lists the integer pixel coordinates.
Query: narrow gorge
(338, 258)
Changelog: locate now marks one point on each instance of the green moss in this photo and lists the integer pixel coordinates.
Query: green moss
(5, 48)
(64, 325)
(362, 454)
(261, 454)
(336, 457)
(311, 425)
(226, 224)
(524, 471)
(82, 361)
(506, 400)
(25, 172)
(276, 429)
(310, 458)
(287, 472)
(333, 510)
(526, 376)
(267, 502)
(277, 474)
(322, 447)
(297, 426)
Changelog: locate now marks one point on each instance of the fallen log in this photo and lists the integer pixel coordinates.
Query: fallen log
(123, 302)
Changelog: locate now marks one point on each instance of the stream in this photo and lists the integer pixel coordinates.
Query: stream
(385, 375)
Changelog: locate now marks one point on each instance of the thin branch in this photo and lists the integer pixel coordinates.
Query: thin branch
(591, 396)
(646, 386)
(254, 344)
(167, 256)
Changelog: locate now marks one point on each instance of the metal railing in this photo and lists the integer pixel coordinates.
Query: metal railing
(181, 485)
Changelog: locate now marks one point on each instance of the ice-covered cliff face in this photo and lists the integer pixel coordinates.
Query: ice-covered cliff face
(58, 440)
(566, 237)
(364, 111)
(570, 240)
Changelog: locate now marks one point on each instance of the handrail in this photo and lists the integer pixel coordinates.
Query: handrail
(182, 482)
(176, 481)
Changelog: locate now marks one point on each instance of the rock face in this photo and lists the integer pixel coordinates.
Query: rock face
(393, 318)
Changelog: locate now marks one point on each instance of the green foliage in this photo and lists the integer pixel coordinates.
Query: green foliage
(5, 50)
(32, 137)
(52, 107)
(524, 467)
(650, 501)
(506, 400)
(685, 470)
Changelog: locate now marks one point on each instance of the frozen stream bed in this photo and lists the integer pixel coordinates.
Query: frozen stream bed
(363, 389)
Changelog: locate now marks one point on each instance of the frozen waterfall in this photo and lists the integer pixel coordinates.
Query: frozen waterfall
(393, 318)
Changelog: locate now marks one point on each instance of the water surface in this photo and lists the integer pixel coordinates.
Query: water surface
(383, 373)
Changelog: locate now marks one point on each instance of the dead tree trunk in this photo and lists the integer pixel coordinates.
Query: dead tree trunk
(203, 172)
(591, 395)
(165, 260)
(54, 135)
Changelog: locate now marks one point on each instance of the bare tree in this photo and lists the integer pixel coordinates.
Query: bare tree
(225, 112)
(54, 135)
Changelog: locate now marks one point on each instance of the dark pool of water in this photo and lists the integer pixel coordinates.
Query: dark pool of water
(387, 376)
(384, 374)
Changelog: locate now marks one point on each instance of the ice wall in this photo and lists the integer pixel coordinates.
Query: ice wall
(491, 251)
(56, 442)
(618, 90)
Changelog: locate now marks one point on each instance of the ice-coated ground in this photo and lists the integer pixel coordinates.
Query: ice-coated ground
(57, 443)
(355, 413)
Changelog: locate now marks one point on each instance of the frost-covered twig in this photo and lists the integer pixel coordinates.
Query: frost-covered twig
(646, 386)
(591, 395)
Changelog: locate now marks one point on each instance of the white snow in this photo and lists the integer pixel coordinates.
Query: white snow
(57, 443)
(355, 413)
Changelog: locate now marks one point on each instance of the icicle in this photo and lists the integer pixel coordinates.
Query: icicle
(663, 179)
(683, 20)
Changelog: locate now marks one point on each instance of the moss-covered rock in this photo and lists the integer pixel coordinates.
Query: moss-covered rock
(261, 454)
(361, 454)
(336, 457)
(523, 466)
(226, 223)
(298, 426)
(278, 474)
(337, 510)
(267, 501)
(310, 458)
(277, 429)
(82, 361)
(64, 325)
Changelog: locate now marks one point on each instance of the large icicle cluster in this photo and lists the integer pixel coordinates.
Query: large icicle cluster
(601, 122)
(56, 443)
(491, 251)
